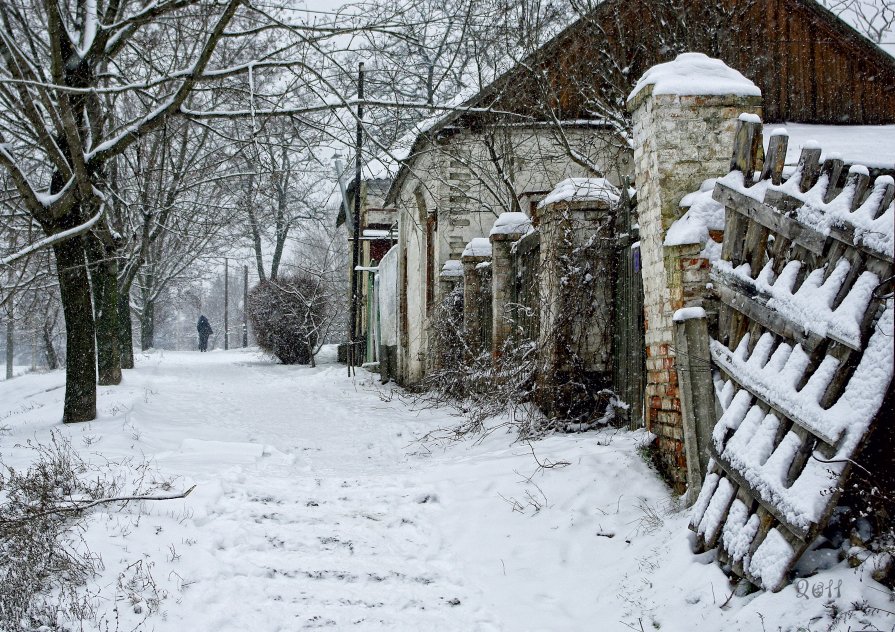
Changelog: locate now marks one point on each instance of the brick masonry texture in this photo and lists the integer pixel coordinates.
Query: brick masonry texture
(679, 142)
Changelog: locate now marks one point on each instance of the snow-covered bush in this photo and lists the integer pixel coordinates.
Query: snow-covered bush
(287, 316)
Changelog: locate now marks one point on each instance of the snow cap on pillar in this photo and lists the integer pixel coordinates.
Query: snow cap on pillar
(513, 223)
(478, 247)
(695, 74)
(451, 269)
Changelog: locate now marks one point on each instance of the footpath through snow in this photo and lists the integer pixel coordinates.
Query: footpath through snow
(316, 507)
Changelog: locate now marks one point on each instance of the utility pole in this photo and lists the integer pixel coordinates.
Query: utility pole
(355, 253)
(10, 312)
(10, 341)
(245, 306)
(226, 306)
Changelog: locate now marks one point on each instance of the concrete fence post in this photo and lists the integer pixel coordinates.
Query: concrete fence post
(697, 395)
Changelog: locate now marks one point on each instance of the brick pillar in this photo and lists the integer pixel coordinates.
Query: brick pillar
(477, 251)
(682, 137)
(508, 229)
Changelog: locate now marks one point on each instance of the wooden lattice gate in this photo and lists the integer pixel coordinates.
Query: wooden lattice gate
(526, 296)
(629, 354)
(803, 355)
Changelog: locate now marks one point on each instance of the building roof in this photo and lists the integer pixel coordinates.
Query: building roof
(766, 36)
(870, 145)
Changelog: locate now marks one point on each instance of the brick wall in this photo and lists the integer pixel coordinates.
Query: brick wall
(679, 141)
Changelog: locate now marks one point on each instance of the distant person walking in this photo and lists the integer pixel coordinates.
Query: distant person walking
(204, 328)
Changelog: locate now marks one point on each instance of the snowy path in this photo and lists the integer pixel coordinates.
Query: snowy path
(315, 507)
(316, 518)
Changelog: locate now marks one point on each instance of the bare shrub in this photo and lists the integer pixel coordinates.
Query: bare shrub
(38, 544)
(44, 562)
(287, 315)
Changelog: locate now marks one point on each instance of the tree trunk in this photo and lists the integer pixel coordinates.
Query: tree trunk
(147, 325)
(125, 328)
(80, 342)
(104, 275)
(49, 349)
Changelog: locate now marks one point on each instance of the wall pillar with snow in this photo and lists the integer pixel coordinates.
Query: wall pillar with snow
(508, 229)
(477, 294)
(685, 114)
(577, 252)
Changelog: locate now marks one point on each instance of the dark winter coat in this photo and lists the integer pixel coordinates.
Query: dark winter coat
(204, 327)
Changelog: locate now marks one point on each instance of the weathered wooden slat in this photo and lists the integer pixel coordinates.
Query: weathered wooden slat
(747, 148)
(832, 169)
(770, 218)
(855, 188)
(808, 167)
(775, 159)
(888, 196)
(735, 225)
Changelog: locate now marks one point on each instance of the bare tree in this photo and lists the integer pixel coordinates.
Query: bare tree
(82, 82)
(873, 18)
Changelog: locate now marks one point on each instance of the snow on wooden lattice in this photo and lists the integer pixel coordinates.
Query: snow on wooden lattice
(872, 223)
(804, 356)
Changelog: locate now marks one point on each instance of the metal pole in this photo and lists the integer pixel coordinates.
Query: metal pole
(226, 306)
(355, 253)
(245, 306)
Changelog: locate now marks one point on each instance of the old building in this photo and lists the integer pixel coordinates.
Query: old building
(562, 115)
(378, 233)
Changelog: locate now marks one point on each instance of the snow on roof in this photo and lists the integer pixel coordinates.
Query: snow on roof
(870, 145)
(451, 268)
(478, 247)
(693, 74)
(582, 190)
(511, 224)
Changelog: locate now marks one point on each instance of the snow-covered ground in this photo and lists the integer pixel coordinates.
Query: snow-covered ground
(316, 506)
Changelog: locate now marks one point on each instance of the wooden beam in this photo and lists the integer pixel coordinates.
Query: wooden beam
(770, 218)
